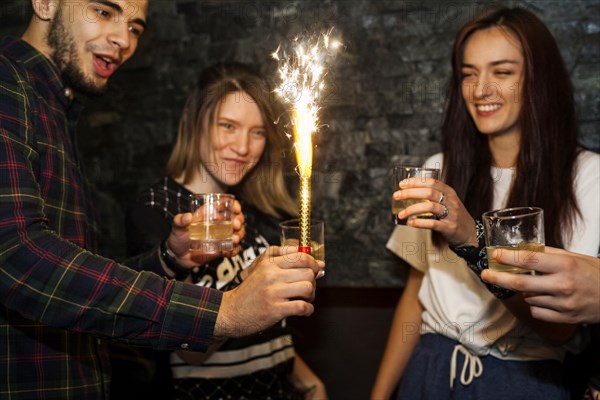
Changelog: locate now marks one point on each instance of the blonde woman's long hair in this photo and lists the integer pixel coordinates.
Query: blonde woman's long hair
(264, 186)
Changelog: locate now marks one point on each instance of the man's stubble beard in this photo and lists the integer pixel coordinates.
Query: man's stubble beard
(64, 55)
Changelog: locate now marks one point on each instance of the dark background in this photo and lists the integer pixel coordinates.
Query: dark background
(384, 105)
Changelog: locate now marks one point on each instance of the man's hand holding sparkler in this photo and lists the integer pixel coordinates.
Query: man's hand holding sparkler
(277, 286)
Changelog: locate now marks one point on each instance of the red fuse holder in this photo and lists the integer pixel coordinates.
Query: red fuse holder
(304, 249)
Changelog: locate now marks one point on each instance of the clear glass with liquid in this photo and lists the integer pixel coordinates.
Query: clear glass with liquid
(518, 228)
(211, 230)
(289, 233)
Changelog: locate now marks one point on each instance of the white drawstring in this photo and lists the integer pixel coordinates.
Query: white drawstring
(472, 363)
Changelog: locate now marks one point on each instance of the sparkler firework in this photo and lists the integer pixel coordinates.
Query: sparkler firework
(302, 74)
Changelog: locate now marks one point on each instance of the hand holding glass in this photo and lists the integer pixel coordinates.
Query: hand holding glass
(289, 233)
(400, 173)
(520, 228)
(211, 230)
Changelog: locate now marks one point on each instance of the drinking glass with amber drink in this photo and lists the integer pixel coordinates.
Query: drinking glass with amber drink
(518, 228)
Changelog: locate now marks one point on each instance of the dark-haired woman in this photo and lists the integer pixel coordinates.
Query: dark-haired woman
(509, 139)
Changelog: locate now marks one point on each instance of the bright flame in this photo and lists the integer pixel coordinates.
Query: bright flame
(302, 74)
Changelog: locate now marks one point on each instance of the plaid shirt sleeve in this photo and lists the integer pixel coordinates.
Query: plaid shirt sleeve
(46, 275)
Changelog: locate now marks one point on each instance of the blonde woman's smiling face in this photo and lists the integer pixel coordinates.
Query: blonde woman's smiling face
(493, 74)
(238, 139)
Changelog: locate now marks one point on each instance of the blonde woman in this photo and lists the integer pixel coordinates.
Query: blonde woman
(227, 142)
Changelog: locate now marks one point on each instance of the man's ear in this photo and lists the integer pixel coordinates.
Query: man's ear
(45, 9)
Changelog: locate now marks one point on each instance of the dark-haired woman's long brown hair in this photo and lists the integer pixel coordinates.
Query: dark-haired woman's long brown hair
(546, 163)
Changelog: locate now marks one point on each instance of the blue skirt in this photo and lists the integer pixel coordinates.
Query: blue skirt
(427, 376)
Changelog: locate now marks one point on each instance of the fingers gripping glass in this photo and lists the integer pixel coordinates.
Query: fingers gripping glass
(400, 173)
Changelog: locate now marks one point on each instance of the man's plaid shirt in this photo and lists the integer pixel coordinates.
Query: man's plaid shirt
(58, 299)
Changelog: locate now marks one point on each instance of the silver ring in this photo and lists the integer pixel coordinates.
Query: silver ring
(444, 214)
(442, 196)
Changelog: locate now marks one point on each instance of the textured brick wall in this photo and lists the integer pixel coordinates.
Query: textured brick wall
(384, 106)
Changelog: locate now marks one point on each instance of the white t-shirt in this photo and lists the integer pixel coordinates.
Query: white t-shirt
(458, 305)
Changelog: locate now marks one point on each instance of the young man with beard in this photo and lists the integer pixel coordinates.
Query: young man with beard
(57, 298)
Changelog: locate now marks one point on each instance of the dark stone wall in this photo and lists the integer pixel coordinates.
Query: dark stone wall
(384, 104)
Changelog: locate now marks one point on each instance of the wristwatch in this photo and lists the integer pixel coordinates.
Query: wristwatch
(168, 257)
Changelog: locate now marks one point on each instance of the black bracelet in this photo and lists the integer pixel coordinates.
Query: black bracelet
(477, 261)
(169, 259)
(473, 254)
